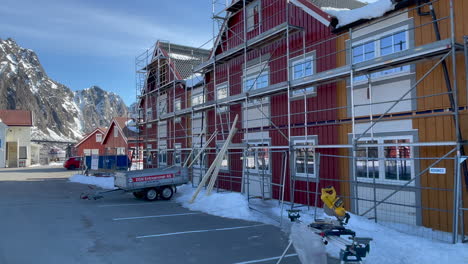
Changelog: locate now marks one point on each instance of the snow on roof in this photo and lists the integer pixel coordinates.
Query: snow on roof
(372, 10)
(194, 80)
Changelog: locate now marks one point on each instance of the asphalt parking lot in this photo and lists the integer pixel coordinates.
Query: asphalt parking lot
(44, 221)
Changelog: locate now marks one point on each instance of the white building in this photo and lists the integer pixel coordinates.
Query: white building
(3, 130)
(17, 146)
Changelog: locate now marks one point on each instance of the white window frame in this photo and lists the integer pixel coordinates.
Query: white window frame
(120, 151)
(255, 151)
(177, 104)
(225, 162)
(94, 151)
(255, 77)
(250, 16)
(87, 152)
(177, 153)
(381, 155)
(198, 97)
(308, 91)
(98, 137)
(199, 163)
(198, 116)
(149, 146)
(300, 142)
(162, 105)
(391, 73)
(162, 127)
(116, 131)
(162, 155)
(219, 87)
(149, 114)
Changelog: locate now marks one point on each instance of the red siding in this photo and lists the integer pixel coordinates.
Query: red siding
(90, 143)
(274, 12)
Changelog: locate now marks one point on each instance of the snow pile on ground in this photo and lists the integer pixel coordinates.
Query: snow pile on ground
(388, 245)
(103, 182)
(229, 204)
(55, 164)
(369, 11)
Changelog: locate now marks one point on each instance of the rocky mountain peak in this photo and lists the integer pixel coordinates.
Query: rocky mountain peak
(59, 113)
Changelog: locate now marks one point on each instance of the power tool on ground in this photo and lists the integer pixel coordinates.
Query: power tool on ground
(352, 249)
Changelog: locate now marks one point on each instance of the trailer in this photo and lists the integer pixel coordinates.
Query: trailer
(148, 184)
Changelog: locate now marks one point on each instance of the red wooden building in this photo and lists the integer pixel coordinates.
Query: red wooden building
(91, 143)
(121, 138)
(247, 73)
(259, 71)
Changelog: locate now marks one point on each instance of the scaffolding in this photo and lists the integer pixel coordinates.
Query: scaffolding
(220, 94)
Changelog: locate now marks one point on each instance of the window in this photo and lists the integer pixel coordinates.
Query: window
(222, 91)
(177, 154)
(95, 152)
(87, 152)
(162, 157)
(23, 152)
(177, 104)
(162, 129)
(162, 105)
(198, 98)
(225, 161)
(253, 16)
(256, 81)
(98, 137)
(196, 150)
(116, 132)
(149, 146)
(381, 46)
(303, 67)
(388, 163)
(258, 158)
(149, 114)
(304, 158)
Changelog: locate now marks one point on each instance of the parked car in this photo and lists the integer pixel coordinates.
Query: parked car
(72, 163)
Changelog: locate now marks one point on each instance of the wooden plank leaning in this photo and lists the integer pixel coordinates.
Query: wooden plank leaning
(221, 154)
(218, 159)
(203, 148)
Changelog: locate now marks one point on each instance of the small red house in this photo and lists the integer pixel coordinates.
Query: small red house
(121, 138)
(91, 143)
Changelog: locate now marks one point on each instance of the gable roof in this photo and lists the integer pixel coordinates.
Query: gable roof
(121, 124)
(97, 129)
(312, 7)
(183, 58)
(16, 117)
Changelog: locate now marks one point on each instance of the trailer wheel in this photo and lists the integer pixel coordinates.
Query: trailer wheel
(166, 193)
(151, 194)
(139, 195)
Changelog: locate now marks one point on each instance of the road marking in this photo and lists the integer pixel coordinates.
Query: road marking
(200, 231)
(266, 259)
(129, 204)
(152, 216)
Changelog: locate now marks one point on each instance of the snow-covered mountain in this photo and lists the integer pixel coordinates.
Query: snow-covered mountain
(98, 107)
(59, 113)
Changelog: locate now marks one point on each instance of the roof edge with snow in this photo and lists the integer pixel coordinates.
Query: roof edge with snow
(343, 19)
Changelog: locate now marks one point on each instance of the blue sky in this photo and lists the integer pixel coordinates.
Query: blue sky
(87, 42)
(81, 43)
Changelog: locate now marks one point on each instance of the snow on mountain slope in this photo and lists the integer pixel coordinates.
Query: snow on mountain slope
(59, 114)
